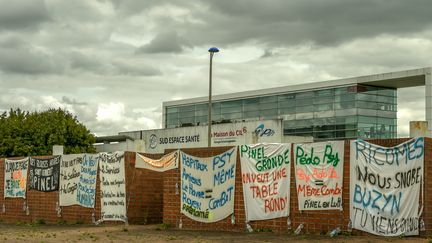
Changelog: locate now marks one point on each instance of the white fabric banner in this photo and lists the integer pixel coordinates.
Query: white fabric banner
(208, 186)
(113, 186)
(266, 175)
(167, 162)
(319, 175)
(385, 187)
(78, 180)
(15, 178)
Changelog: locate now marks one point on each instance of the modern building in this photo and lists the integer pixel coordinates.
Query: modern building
(363, 106)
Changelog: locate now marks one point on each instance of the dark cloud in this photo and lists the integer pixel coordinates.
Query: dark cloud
(168, 42)
(22, 14)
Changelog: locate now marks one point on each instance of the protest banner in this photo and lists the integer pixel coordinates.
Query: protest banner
(45, 174)
(385, 187)
(15, 178)
(167, 162)
(266, 179)
(208, 185)
(112, 186)
(86, 192)
(319, 175)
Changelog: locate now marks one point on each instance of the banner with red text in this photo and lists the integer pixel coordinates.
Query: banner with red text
(208, 185)
(15, 178)
(167, 162)
(385, 187)
(319, 175)
(266, 174)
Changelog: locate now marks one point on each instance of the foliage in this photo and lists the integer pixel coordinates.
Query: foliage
(24, 133)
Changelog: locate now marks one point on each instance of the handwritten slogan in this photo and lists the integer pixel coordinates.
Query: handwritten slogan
(385, 187)
(78, 180)
(167, 162)
(266, 179)
(113, 187)
(207, 186)
(45, 173)
(319, 174)
(15, 178)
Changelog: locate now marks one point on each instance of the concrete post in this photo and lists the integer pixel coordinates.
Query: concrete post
(428, 99)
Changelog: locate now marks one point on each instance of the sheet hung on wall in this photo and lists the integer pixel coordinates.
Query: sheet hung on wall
(385, 187)
(319, 175)
(207, 186)
(78, 180)
(15, 178)
(113, 186)
(45, 173)
(167, 162)
(266, 179)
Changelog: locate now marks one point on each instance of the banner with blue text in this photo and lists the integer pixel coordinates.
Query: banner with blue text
(208, 185)
(385, 187)
(266, 175)
(78, 180)
(319, 175)
(15, 178)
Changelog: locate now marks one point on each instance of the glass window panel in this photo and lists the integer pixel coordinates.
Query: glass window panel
(324, 135)
(345, 105)
(201, 119)
(187, 114)
(185, 120)
(367, 119)
(251, 114)
(287, 110)
(254, 101)
(367, 105)
(171, 109)
(323, 100)
(268, 106)
(346, 97)
(324, 92)
(305, 94)
(346, 119)
(231, 109)
(302, 102)
(233, 103)
(231, 116)
(186, 108)
(302, 109)
(324, 107)
(287, 103)
(201, 112)
(286, 97)
(343, 90)
(267, 99)
(270, 112)
(324, 128)
(367, 97)
(201, 107)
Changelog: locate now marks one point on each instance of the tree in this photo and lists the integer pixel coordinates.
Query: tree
(24, 133)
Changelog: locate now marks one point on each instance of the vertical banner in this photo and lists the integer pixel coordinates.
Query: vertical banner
(112, 186)
(86, 192)
(266, 180)
(15, 178)
(78, 180)
(167, 162)
(385, 187)
(319, 175)
(45, 173)
(208, 185)
(70, 168)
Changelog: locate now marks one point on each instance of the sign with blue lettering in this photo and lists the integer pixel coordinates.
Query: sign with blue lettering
(319, 175)
(385, 187)
(208, 185)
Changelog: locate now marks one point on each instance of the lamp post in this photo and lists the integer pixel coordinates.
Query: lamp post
(212, 51)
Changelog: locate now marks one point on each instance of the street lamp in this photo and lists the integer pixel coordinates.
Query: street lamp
(212, 51)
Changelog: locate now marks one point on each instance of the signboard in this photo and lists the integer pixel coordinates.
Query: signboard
(45, 173)
(385, 187)
(208, 186)
(112, 186)
(229, 134)
(266, 174)
(319, 175)
(167, 162)
(15, 178)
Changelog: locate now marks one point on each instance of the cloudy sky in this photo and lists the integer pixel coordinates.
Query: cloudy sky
(112, 63)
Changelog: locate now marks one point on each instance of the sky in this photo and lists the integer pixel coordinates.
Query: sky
(113, 62)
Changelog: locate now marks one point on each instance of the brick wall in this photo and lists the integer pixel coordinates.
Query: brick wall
(320, 221)
(144, 188)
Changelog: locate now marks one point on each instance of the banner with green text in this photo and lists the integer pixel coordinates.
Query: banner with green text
(319, 175)
(266, 174)
(385, 187)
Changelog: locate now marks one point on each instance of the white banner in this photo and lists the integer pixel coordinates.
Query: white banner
(319, 175)
(385, 187)
(266, 180)
(167, 162)
(208, 186)
(15, 178)
(78, 180)
(112, 186)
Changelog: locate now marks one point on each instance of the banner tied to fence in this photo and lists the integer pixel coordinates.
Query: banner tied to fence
(167, 162)
(385, 187)
(45, 173)
(78, 180)
(208, 186)
(319, 175)
(266, 178)
(15, 178)
(113, 186)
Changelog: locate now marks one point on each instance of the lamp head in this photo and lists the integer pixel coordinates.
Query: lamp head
(213, 50)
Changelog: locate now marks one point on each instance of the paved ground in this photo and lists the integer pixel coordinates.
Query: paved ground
(158, 233)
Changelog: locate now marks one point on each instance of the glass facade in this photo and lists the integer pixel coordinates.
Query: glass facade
(332, 113)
